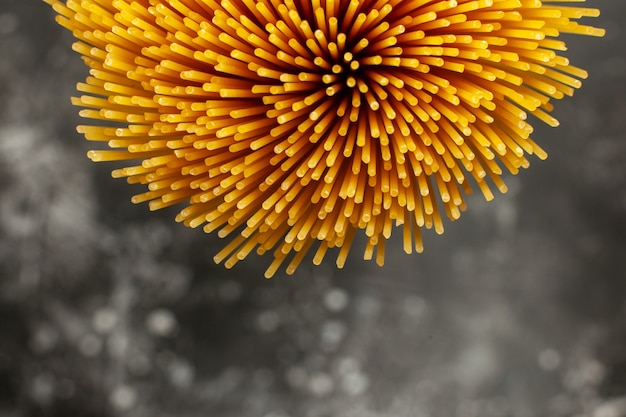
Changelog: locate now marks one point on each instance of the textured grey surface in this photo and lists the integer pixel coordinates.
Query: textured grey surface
(518, 310)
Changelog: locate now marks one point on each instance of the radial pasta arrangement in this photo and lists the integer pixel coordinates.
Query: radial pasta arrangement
(293, 125)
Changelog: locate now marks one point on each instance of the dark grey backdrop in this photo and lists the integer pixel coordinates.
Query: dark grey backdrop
(518, 310)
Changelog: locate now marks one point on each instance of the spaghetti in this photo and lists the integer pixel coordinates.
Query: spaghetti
(290, 125)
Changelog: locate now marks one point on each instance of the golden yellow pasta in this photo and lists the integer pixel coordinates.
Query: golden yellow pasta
(290, 126)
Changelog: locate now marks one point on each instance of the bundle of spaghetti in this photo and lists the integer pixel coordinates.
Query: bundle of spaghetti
(292, 124)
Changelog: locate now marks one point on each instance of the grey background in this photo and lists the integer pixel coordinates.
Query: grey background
(518, 310)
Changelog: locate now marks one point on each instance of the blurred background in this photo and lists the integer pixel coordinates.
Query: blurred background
(107, 310)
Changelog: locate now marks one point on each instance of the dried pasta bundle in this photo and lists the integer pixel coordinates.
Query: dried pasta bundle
(292, 124)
